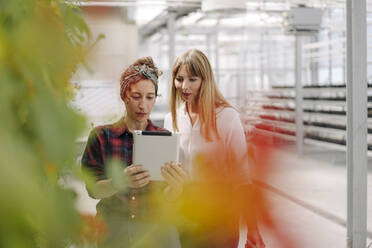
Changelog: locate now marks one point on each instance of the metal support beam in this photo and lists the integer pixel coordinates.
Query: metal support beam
(314, 64)
(262, 58)
(161, 20)
(242, 79)
(298, 83)
(356, 99)
(217, 62)
(269, 63)
(171, 38)
(344, 49)
(212, 52)
(330, 49)
(209, 44)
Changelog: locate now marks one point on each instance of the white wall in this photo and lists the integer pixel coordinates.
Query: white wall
(106, 61)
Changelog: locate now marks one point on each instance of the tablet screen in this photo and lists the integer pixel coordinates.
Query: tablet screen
(153, 149)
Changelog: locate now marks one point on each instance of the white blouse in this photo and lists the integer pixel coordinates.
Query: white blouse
(232, 142)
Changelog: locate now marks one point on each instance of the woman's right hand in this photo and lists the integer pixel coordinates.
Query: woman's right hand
(138, 177)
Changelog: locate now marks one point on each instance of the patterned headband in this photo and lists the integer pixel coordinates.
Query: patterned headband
(146, 71)
(149, 73)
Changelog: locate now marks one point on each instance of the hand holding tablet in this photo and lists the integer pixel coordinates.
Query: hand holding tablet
(138, 177)
(153, 149)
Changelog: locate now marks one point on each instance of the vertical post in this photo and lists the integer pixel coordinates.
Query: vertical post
(269, 65)
(356, 100)
(314, 65)
(217, 65)
(209, 44)
(262, 58)
(344, 49)
(171, 37)
(330, 48)
(298, 83)
(243, 71)
(344, 58)
(160, 52)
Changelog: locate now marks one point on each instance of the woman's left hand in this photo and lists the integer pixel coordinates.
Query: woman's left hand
(176, 177)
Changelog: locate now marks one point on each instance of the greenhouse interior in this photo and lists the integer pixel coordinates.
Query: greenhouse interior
(298, 73)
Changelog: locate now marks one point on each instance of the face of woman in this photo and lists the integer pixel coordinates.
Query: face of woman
(188, 86)
(140, 100)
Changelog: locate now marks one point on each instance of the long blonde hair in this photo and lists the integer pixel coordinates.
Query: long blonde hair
(209, 97)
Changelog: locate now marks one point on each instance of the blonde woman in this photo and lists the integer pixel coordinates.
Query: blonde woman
(212, 149)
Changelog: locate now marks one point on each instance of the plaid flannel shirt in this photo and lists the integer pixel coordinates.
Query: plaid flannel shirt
(115, 141)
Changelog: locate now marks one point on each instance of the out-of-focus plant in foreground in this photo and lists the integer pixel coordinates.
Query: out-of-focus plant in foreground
(41, 44)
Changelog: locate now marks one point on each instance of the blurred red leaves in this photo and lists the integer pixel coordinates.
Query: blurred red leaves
(94, 229)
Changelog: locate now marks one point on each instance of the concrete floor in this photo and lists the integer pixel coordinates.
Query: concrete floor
(306, 229)
(308, 196)
(309, 193)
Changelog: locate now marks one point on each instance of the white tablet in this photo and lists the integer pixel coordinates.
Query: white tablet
(153, 149)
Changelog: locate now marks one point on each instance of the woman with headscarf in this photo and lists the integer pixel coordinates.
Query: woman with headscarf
(130, 214)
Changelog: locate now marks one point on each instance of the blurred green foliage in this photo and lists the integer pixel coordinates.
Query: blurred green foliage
(41, 44)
